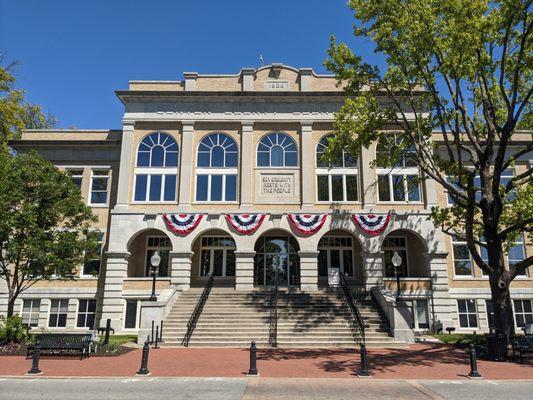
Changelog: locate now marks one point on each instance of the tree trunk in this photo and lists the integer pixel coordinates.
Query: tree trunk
(503, 310)
(10, 305)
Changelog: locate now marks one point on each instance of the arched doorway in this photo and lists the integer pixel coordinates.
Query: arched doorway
(277, 258)
(142, 247)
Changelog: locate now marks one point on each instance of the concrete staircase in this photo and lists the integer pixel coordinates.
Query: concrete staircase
(234, 319)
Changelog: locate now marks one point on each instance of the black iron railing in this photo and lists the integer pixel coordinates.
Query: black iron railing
(191, 325)
(273, 328)
(357, 323)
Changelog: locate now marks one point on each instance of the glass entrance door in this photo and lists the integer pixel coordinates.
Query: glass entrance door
(277, 257)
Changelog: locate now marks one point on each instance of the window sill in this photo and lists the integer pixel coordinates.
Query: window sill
(174, 202)
(88, 277)
(415, 203)
(215, 202)
(98, 205)
(338, 202)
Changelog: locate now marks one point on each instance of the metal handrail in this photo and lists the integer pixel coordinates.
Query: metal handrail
(358, 325)
(191, 325)
(273, 328)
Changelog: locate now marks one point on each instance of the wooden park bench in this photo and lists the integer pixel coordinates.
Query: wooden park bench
(63, 342)
(522, 345)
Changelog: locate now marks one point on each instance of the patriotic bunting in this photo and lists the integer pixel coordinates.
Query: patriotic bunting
(307, 223)
(182, 224)
(245, 223)
(372, 224)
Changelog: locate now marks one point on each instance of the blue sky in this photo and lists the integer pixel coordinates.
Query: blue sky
(74, 54)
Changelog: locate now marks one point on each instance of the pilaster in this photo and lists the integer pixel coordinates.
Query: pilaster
(126, 163)
(372, 269)
(187, 151)
(307, 157)
(180, 268)
(115, 272)
(244, 270)
(247, 164)
(308, 270)
(442, 306)
(368, 179)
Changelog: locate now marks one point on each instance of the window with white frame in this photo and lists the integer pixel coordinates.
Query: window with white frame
(420, 313)
(58, 313)
(335, 252)
(92, 266)
(216, 169)
(30, 312)
(401, 183)
(336, 181)
(217, 256)
(467, 312)
(99, 185)
(395, 244)
(76, 174)
(86, 312)
(156, 169)
(461, 258)
(131, 314)
(517, 253)
(523, 313)
(162, 245)
(505, 177)
(277, 150)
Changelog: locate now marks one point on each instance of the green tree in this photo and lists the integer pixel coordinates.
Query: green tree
(15, 113)
(456, 85)
(44, 224)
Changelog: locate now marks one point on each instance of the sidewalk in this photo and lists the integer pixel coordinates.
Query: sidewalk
(420, 361)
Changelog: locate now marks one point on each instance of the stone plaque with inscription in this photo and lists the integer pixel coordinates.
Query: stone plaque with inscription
(277, 185)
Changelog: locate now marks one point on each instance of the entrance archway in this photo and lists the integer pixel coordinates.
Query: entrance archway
(276, 257)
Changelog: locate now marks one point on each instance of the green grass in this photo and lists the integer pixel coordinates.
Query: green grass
(459, 339)
(117, 340)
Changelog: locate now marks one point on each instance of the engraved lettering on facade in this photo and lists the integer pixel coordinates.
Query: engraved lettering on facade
(277, 185)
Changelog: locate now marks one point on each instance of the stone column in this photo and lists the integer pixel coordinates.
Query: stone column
(186, 167)
(244, 270)
(307, 157)
(431, 192)
(372, 269)
(308, 270)
(368, 179)
(247, 165)
(126, 163)
(115, 271)
(180, 268)
(442, 306)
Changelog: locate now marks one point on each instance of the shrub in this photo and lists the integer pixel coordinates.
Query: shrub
(12, 330)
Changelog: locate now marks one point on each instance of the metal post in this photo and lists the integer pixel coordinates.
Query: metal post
(156, 337)
(107, 330)
(153, 296)
(363, 372)
(35, 361)
(152, 336)
(161, 333)
(473, 363)
(144, 360)
(253, 360)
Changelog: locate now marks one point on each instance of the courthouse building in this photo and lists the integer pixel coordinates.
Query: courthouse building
(222, 175)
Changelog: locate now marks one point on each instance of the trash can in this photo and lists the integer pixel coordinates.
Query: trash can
(497, 346)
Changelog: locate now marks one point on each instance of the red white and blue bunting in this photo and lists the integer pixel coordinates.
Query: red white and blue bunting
(371, 223)
(182, 224)
(307, 223)
(245, 223)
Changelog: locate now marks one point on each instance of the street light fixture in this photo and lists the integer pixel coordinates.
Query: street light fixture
(396, 262)
(155, 260)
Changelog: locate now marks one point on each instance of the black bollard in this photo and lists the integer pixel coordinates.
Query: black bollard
(473, 363)
(363, 372)
(35, 361)
(161, 333)
(156, 337)
(152, 332)
(253, 360)
(144, 360)
(107, 330)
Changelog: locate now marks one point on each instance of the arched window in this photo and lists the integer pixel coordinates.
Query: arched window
(277, 150)
(336, 181)
(157, 150)
(216, 172)
(157, 169)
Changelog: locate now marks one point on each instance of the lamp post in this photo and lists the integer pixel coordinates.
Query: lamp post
(396, 262)
(155, 260)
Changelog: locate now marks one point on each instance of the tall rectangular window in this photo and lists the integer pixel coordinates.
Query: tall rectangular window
(390, 246)
(461, 258)
(335, 187)
(217, 256)
(162, 245)
(216, 187)
(467, 313)
(155, 188)
(398, 187)
(523, 313)
(130, 319)
(58, 313)
(86, 312)
(517, 253)
(76, 174)
(99, 183)
(92, 266)
(30, 312)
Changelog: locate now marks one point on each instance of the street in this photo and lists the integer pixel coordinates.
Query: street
(262, 388)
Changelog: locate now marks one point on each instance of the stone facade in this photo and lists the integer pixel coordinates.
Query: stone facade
(245, 108)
